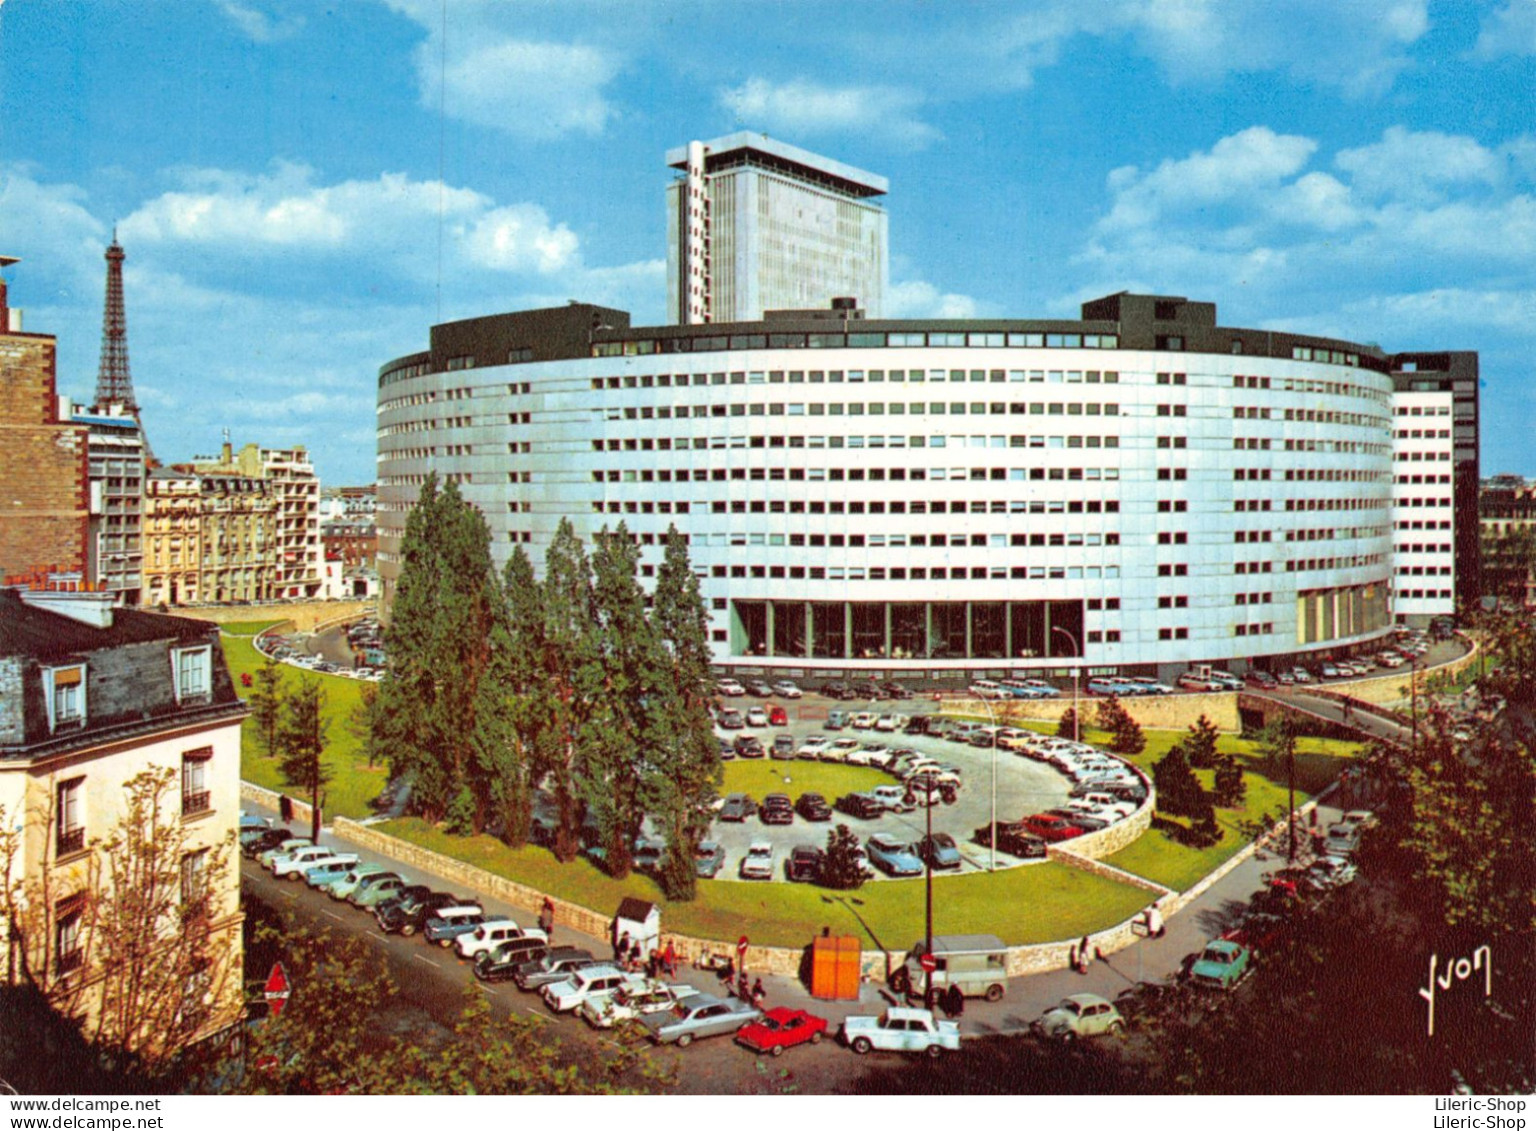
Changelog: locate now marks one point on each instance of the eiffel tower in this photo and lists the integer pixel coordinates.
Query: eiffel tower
(114, 384)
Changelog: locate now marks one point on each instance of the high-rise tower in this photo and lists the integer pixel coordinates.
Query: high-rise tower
(754, 224)
(114, 386)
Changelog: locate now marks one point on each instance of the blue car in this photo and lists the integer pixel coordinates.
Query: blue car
(893, 857)
(939, 850)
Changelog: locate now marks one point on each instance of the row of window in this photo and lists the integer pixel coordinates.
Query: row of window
(616, 413)
(643, 347)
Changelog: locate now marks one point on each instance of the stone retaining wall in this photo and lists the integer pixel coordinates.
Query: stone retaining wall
(305, 615)
(273, 799)
(1153, 712)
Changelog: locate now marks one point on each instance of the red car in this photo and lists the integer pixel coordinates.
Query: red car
(777, 716)
(779, 1029)
(1051, 829)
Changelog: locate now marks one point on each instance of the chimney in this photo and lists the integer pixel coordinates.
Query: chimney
(6, 317)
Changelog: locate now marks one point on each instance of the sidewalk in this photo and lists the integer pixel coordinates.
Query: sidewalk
(1150, 960)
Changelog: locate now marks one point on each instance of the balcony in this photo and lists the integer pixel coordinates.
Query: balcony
(195, 803)
(70, 841)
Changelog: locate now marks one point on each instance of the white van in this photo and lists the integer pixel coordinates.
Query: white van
(986, 689)
(978, 964)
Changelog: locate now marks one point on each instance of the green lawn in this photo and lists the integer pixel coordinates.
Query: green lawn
(1037, 903)
(760, 776)
(353, 783)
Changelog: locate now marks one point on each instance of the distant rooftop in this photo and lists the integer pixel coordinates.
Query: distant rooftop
(746, 147)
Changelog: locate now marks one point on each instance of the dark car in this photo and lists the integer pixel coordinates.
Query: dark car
(837, 689)
(554, 965)
(759, 688)
(1088, 824)
(893, 690)
(730, 719)
(408, 894)
(1260, 678)
(408, 918)
(500, 963)
(867, 689)
(1016, 840)
(727, 751)
(813, 807)
(737, 807)
(804, 864)
(777, 809)
(860, 805)
(749, 746)
(917, 724)
(783, 747)
(268, 839)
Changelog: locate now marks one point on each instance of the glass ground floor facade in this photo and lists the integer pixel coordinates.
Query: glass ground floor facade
(910, 630)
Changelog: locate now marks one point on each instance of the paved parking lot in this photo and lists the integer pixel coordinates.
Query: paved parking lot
(1024, 786)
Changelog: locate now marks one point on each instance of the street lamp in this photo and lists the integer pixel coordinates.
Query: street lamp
(1077, 675)
(992, 719)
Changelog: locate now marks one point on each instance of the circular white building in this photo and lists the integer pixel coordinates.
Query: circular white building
(1136, 491)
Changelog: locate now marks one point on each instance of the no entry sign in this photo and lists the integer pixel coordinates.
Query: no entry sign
(276, 989)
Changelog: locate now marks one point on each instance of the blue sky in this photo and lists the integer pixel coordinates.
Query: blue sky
(304, 188)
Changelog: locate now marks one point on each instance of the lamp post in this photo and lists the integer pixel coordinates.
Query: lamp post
(928, 917)
(992, 719)
(1077, 676)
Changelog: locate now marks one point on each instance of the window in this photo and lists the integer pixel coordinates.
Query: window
(193, 671)
(65, 688)
(195, 794)
(71, 817)
(194, 879)
(68, 940)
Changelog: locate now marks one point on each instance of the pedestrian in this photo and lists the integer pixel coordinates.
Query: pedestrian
(634, 955)
(620, 945)
(1155, 927)
(1083, 957)
(954, 1002)
(669, 960)
(653, 963)
(743, 991)
(758, 993)
(547, 917)
(728, 972)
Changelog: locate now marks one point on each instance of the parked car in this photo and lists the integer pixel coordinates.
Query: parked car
(344, 886)
(757, 864)
(836, 689)
(777, 716)
(701, 1015)
(1193, 682)
(1014, 839)
(788, 689)
(867, 689)
(804, 864)
(1148, 685)
(1087, 822)
(1342, 840)
(737, 807)
(888, 723)
(491, 934)
(1080, 1015)
(917, 724)
(758, 687)
(1108, 685)
(748, 746)
(411, 915)
(895, 798)
(939, 851)
(813, 807)
(893, 857)
(779, 1029)
(901, 1030)
(729, 687)
(864, 720)
(776, 809)
(629, 1003)
(375, 890)
(328, 870)
(588, 983)
(502, 963)
(893, 690)
(860, 805)
(813, 746)
(783, 748)
(557, 964)
(1051, 829)
(1261, 678)
(837, 719)
(293, 865)
(840, 750)
(1221, 965)
(1328, 872)
(264, 839)
(407, 894)
(731, 719)
(451, 922)
(757, 717)
(709, 859)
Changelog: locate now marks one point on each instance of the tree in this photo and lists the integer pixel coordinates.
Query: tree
(1231, 787)
(1067, 727)
(157, 965)
(266, 703)
(437, 635)
(1178, 790)
(1126, 737)
(301, 746)
(843, 868)
(571, 676)
(1200, 743)
(686, 770)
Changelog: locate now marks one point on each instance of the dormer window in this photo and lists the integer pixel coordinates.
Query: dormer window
(193, 670)
(64, 691)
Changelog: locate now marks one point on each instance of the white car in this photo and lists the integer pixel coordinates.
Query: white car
(729, 687)
(864, 720)
(814, 746)
(757, 864)
(588, 984)
(888, 723)
(788, 689)
(628, 1003)
(295, 862)
(492, 933)
(757, 717)
(901, 1030)
(841, 750)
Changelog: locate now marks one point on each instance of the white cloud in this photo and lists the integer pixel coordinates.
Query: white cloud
(801, 106)
(259, 26)
(1509, 31)
(534, 90)
(392, 216)
(918, 299)
(1234, 167)
(49, 223)
(1418, 165)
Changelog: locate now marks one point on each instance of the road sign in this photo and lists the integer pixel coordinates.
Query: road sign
(741, 947)
(928, 962)
(276, 989)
